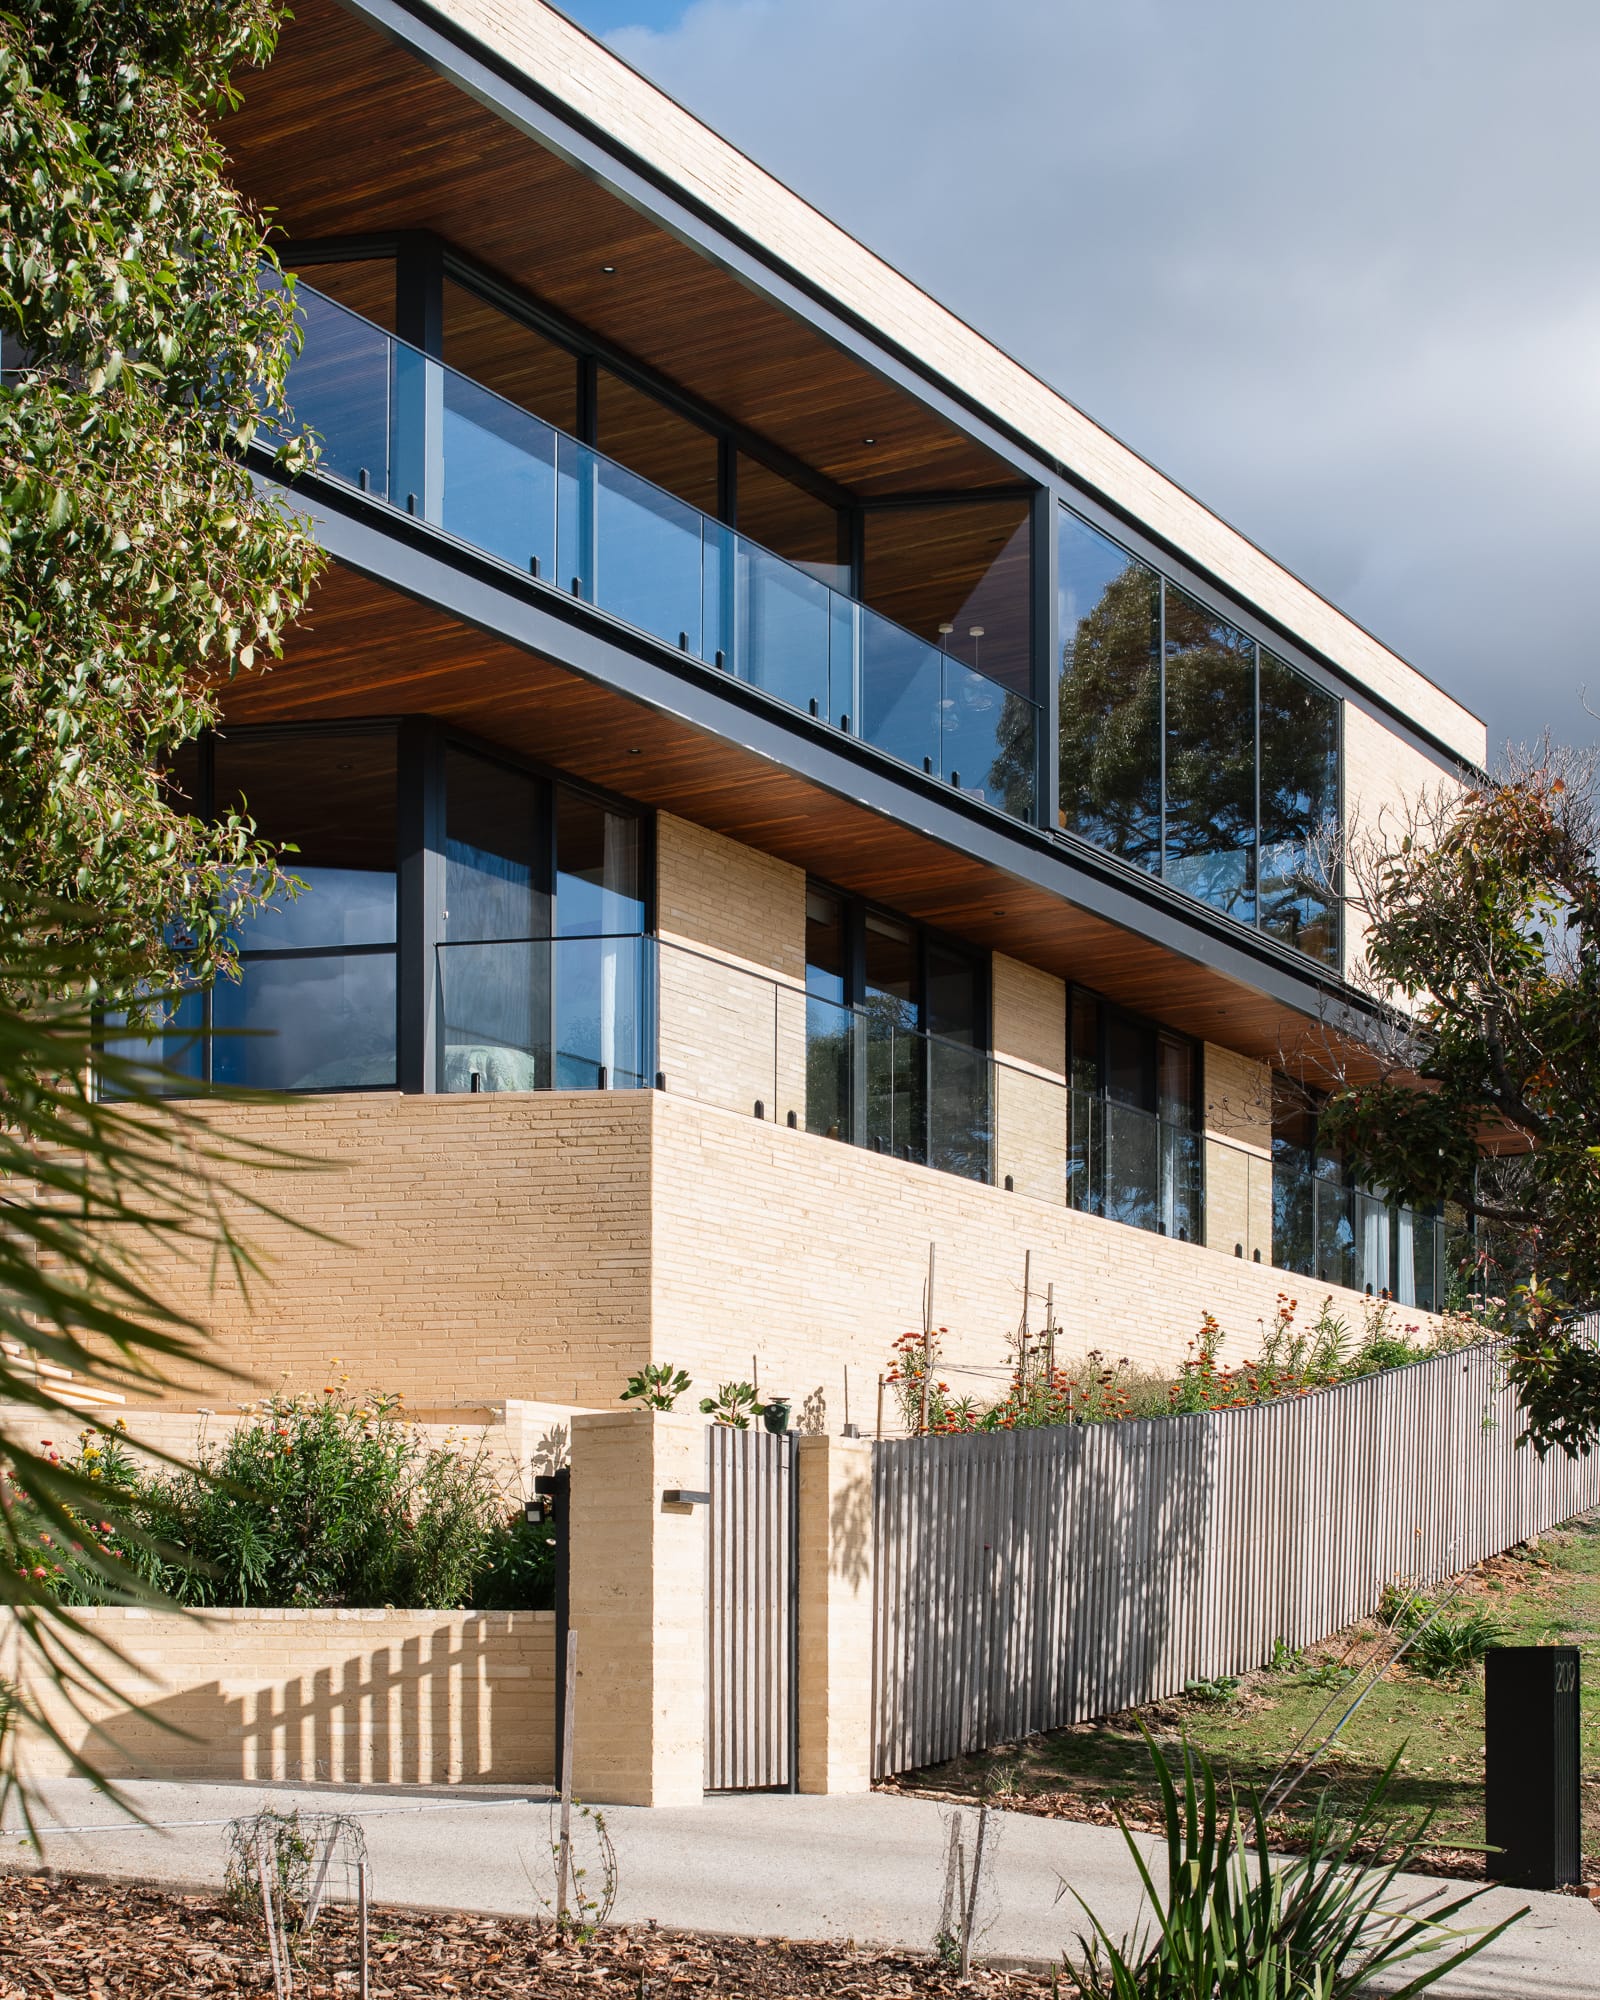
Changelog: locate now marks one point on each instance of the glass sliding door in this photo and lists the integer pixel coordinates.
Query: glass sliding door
(315, 1005)
(495, 998)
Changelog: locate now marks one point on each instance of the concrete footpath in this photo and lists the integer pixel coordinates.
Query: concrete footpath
(868, 1868)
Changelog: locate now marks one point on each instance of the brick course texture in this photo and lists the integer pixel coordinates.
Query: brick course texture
(339, 1697)
(544, 1247)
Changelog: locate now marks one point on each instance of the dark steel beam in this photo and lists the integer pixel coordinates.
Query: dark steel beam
(408, 556)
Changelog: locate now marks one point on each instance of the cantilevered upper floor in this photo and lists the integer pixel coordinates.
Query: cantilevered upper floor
(634, 463)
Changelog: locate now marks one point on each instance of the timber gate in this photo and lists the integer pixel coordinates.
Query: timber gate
(751, 1630)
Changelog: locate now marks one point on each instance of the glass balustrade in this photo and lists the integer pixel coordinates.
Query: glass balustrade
(435, 444)
(1135, 1168)
(874, 1081)
(547, 1014)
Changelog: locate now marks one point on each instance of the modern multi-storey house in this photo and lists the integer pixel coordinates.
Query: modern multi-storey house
(778, 787)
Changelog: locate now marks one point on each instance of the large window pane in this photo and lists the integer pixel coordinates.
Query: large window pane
(308, 1012)
(333, 798)
(957, 576)
(1299, 811)
(494, 874)
(830, 1021)
(365, 285)
(309, 1021)
(599, 891)
(656, 442)
(1110, 742)
(1211, 757)
(792, 522)
(510, 358)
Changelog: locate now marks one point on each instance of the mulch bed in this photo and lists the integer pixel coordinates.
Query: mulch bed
(115, 1941)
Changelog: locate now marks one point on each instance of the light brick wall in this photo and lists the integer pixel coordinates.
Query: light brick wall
(808, 1257)
(638, 1609)
(542, 1247)
(733, 961)
(1031, 1104)
(525, 1440)
(336, 1697)
(1238, 1126)
(1383, 777)
(473, 1247)
(835, 1579)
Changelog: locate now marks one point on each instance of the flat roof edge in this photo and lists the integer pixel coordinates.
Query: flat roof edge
(568, 65)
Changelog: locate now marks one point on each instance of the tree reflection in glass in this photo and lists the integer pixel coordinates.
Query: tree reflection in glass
(1299, 810)
(1211, 757)
(1110, 702)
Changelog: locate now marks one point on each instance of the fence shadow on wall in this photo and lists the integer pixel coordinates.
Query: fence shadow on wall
(443, 1707)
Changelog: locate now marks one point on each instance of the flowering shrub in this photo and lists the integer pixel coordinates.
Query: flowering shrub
(1293, 1361)
(310, 1502)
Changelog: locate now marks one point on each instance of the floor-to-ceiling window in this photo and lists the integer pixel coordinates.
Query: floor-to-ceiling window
(520, 955)
(897, 1036)
(1193, 752)
(1327, 1226)
(544, 968)
(1135, 1151)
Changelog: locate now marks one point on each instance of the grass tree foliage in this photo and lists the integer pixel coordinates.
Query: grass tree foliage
(1239, 1922)
(140, 567)
(1483, 947)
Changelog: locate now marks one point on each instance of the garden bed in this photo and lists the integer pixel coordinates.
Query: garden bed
(60, 1935)
(1544, 1593)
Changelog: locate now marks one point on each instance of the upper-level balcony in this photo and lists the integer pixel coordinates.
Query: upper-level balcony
(420, 436)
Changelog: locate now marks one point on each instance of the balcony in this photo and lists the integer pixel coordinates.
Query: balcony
(420, 437)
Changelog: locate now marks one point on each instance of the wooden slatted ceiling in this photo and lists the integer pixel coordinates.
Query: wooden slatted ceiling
(345, 134)
(366, 650)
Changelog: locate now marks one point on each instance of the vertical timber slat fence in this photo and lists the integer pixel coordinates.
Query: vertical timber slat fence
(1027, 1579)
(750, 1611)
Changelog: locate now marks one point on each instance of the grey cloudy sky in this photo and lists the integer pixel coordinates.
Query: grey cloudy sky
(1333, 268)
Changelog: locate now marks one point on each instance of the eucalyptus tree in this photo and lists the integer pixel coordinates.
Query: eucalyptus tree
(145, 343)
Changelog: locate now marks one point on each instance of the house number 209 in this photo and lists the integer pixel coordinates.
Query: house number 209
(1566, 1676)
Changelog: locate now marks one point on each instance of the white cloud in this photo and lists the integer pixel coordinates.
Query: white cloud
(1331, 268)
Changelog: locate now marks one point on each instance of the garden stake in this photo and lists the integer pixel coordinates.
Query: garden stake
(361, 1920)
(564, 1857)
(1050, 1329)
(281, 1975)
(927, 1344)
(970, 1915)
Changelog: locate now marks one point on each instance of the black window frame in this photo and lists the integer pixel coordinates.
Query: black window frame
(856, 910)
(1223, 615)
(420, 806)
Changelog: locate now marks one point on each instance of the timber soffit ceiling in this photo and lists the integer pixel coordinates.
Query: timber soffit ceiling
(349, 133)
(568, 67)
(365, 649)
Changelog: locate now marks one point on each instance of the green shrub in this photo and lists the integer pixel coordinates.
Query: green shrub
(1451, 1647)
(310, 1502)
(1240, 1922)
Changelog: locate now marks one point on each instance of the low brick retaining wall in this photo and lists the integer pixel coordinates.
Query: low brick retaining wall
(341, 1697)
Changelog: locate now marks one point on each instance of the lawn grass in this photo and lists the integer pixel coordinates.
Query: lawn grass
(1545, 1593)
